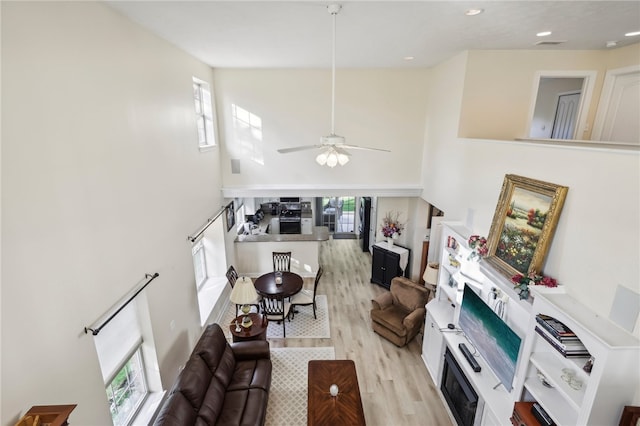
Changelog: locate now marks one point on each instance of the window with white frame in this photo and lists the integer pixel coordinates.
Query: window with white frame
(119, 347)
(240, 218)
(210, 265)
(128, 389)
(205, 114)
(200, 264)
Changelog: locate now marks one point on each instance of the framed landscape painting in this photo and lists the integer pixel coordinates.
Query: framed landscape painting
(523, 224)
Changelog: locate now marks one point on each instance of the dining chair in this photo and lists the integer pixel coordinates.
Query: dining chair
(281, 261)
(307, 297)
(276, 309)
(232, 277)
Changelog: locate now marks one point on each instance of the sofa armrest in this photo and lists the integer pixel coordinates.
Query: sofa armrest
(253, 349)
(382, 301)
(414, 319)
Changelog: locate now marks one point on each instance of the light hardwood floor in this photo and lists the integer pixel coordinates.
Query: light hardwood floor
(395, 387)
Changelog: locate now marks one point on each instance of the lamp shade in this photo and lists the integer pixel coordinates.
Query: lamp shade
(243, 292)
(430, 275)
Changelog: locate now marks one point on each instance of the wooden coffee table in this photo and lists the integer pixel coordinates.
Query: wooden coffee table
(346, 407)
(257, 331)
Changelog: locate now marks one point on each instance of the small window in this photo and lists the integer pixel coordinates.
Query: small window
(204, 114)
(200, 264)
(128, 389)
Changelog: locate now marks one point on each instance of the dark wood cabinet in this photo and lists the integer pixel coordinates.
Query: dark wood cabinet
(386, 265)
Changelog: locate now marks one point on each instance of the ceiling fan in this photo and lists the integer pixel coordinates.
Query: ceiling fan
(333, 146)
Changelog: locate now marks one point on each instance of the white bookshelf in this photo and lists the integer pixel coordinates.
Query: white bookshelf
(614, 376)
(604, 391)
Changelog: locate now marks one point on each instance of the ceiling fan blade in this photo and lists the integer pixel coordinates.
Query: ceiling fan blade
(298, 148)
(364, 148)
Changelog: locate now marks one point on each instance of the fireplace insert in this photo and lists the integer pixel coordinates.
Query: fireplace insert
(457, 391)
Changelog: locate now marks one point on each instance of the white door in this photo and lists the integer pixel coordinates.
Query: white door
(619, 108)
(566, 112)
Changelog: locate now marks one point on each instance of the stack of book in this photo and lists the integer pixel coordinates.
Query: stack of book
(560, 337)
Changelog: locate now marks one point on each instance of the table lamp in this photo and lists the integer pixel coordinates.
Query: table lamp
(430, 275)
(244, 293)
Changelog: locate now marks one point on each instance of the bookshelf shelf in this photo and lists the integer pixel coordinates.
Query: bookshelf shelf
(554, 406)
(614, 352)
(548, 365)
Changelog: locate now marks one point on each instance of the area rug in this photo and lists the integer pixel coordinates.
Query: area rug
(288, 395)
(303, 325)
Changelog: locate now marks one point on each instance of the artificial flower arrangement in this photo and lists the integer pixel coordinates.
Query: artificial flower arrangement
(478, 247)
(522, 283)
(391, 225)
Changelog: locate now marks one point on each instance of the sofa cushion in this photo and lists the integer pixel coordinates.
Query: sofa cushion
(244, 407)
(176, 411)
(391, 318)
(213, 402)
(214, 350)
(251, 374)
(408, 294)
(193, 381)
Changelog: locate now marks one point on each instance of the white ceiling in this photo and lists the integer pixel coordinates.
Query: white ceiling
(372, 34)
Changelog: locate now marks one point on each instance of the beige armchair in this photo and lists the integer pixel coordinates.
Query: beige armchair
(399, 314)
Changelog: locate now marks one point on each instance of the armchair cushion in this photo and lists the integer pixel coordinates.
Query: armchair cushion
(399, 314)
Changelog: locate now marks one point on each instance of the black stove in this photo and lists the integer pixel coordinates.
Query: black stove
(290, 218)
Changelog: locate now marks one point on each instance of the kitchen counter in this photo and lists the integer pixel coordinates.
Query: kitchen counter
(255, 259)
(318, 233)
(269, 231)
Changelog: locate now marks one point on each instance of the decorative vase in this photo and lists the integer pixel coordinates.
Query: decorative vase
(390, 242)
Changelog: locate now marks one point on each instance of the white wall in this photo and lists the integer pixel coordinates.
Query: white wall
(374, 108)
(99, 171)
(595, 247)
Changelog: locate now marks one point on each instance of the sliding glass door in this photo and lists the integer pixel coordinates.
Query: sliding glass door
(338, 214)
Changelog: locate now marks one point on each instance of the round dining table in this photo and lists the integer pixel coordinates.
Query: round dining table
(266, 284)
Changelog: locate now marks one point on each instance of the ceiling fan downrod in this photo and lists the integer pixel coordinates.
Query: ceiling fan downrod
(333, 10)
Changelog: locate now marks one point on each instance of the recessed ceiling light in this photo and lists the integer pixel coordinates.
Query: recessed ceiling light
(408, 58)
(473, 12)
(543, 33)
(634, 33)
(612, 43)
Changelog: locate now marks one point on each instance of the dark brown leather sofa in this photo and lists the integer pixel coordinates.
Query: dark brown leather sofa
(221, 383)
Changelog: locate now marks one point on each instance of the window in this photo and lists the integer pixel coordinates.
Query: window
(210, 265)
(240, 218)
(127, 390)
(120, 352)
(200, 264)
(204, 114)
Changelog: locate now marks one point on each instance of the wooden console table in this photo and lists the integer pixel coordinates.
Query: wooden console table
(51, 415)
(343, 409)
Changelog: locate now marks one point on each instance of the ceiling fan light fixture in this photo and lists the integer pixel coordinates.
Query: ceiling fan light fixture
(332, 146)
(332, 159)
(322, 158)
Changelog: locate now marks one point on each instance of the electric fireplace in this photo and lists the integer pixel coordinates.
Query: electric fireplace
(457, 391)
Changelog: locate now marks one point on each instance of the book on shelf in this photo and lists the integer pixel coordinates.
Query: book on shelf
(566, 344)
(577, 352)
(556, 328)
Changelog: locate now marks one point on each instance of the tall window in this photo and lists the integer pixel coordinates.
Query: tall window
(127, 391)
(200, 264)
(119, 347)
(210, 265)
(204, 114)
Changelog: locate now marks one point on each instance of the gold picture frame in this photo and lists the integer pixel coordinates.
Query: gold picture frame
(523, 225)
